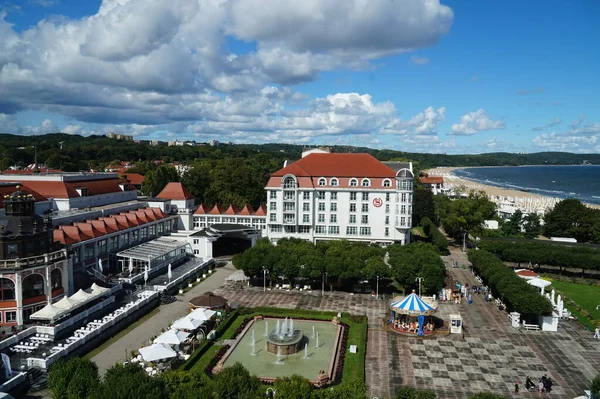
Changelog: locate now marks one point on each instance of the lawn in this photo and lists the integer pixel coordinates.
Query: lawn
(586, 296)
(354, 364)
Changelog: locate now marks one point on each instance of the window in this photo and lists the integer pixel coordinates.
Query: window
(387, 232)
(321, 218)
(333, 218)
(304, 229)
(387, 208)
(365, 208)
(365, 196)
(76, 254)
(334, 182)
(333, 207)
(352, 207)
(273, 194)
(353, 196)
(306, 207)
(351, 231)
(403, 221)
(365, 183)
(289, 195)
(353, 182)
(387, 197)
(403, 209)
(196, 252)
(410, 197)
(273, 206)
(161, 228)
(273, 217)
(305, 218)
(352, 218)
(322, 182)
(7, 290)
(152, 230)
(143, 233)
(387, 220)
(387, 183)
(196, 241)
(11, 317)
(364, 219)
(321, 195)
(409, 221)
(289, 206)
(410, 209)
(334, 230)
(32, 286)
(403, 197)
(321, 207)
(365, 231)
(102, 246)
(135, 234)
(320, 230)
(289, 182)
(334, 196)
(276, 229)
(88, 251)
(289, 218)
(306, 195)
(397, 209)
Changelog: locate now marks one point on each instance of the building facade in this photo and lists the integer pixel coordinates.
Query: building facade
(326, 196)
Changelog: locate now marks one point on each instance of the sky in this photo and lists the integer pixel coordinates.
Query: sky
(413, 75)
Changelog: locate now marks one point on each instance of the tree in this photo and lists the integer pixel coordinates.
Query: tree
(198, 179)
(235, 382)
(293, 387)
(532, 225)
(129, 381)
(423, 205)
(595, 387)
(567, 219)
(74, 378)
(191, 384)
(353, 389)
(512, 227)
(156, 180)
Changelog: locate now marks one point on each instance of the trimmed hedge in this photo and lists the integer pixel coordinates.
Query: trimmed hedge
(543, 253)
(503, 281)
(434, 235)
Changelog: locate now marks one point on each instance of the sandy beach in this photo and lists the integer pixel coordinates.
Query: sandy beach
(526, 201)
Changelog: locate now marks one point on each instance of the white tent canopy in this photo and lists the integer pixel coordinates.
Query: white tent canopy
(95, 290)
(48, 312)
(238, 275)
(201, 314)
(81, 296)
(172, 337)
(187, 323)
(156, 352)
(65, 303)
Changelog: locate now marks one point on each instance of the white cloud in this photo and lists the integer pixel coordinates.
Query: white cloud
(422, 124)
(8, 124)
(419, 60)
(475, 122)
(555, 122)
(579, 137)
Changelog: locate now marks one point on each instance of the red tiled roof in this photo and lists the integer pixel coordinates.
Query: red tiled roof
(246, 210)
(175, 191)
(61, 189)
(232, 210)
(203, 209)
(134, 178)
(337, 165)
(261, 211)
(7, 189)
(217, 210)
(527, 273)
(432, 180)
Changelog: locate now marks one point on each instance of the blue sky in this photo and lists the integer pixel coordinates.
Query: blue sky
(413, 75)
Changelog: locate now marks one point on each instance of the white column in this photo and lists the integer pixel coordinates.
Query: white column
(48, 284)
(19, 297)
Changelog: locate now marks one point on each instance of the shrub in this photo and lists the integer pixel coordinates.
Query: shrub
(434, 235)
(595, 387)
(406, 392)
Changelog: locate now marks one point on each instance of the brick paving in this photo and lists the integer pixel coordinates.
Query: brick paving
(492, 356)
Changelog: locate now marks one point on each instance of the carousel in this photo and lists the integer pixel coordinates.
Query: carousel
(413, 316)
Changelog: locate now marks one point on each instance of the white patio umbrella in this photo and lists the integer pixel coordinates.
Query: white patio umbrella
(156, 352)
(145, 275)
(130, 266)
(100, 265)
(169, 273)
(201, 314)
(186, 323)
(552, 296)
(172, 337)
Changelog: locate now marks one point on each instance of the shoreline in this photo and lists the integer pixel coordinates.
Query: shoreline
(524, 200)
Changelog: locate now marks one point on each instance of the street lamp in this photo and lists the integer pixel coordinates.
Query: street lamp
(271, 392)
(377, 292)
(265, 272)
(323, 284)
(420, 280)
(464, 242)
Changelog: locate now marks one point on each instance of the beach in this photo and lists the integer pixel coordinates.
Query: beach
(526, 201)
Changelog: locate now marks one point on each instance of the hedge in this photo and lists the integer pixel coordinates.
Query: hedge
(515, 292)
(434, 235)
(543, 253)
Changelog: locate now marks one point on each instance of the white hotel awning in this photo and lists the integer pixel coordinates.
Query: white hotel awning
(152, 249)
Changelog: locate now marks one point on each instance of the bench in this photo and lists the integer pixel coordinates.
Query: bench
(531, 327)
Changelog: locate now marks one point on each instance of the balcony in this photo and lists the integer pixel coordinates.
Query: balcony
(23, 263)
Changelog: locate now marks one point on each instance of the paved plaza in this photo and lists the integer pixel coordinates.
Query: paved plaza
(490, 358)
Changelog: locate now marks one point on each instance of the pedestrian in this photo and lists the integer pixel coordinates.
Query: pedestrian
(597, 333)
(516, 386)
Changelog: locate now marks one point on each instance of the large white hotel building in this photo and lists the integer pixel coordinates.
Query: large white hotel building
(325, 196)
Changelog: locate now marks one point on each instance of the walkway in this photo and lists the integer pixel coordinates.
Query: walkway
(141, 335)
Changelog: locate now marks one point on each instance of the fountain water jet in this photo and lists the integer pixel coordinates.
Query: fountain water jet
(266, 328)
(278, 356)
(313, 334)
(317, 342)
(306, 350)
(285, 338)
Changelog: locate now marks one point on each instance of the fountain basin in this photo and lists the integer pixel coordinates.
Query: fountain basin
(288, 345)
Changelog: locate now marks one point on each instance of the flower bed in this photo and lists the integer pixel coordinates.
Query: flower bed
(215, 360)
(342, 348)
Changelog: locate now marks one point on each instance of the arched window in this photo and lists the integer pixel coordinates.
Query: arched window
(405, 173)
(33, 285)
(353, 182)
(56, 279)
(387, 183)
(322, 181)
(7, 290)
(365, 182)
(289, 182)
(334, 182)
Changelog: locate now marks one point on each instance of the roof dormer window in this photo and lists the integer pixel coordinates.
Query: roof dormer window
(365, 183)
(83, 191)
(353, 183)
(334, 182)
(322, 181)
(387, 183)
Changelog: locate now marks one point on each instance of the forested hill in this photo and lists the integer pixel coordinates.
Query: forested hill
(79, 153)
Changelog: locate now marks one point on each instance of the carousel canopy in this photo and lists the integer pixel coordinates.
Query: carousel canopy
(412, 304)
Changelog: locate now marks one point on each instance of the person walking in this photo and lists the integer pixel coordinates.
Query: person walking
(516, 386)
(597, 333)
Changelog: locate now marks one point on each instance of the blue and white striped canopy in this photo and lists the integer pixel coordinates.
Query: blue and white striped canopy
(412, 304)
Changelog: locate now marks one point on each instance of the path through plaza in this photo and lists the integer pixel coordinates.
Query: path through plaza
(141, 335)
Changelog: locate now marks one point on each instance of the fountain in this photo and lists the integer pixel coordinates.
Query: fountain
(317, 342)
(285, 338)
(253, 348)
(266, 328)
(306, 350)
(253, 336)
(313, 334)
(278, 356)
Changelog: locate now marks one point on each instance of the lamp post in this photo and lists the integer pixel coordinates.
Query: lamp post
(464, 242)
(420, 280)
(323, 284)
(377, 292)
(265, 272)
(271, 392)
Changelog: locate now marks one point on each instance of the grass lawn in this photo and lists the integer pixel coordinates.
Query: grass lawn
(418, 231)
(120, 334)
(354, 364)
(584, 295)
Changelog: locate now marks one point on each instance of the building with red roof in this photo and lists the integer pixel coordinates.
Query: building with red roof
(435, 183)
(326, 196)
(206, 216)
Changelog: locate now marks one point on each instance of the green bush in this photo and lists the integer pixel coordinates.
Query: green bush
(434, 235)
(504, 282)
(595, 387)
(73, 379)
(406, 392)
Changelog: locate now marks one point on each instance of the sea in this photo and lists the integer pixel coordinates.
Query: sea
(581, 182)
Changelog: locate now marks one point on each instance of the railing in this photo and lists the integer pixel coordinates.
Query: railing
(99, 275)
(13, 382)
(34, 260)
(83, 315)
(183, 277)
(17, 337)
